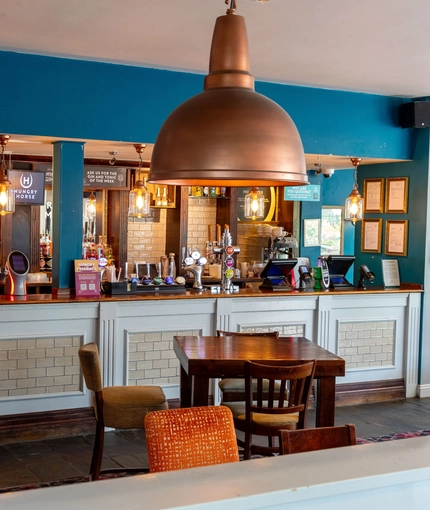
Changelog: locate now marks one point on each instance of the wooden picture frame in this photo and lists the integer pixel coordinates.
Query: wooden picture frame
(371, 235)
(396, 195)
(312, 232)
(396, 238)
(373, 195)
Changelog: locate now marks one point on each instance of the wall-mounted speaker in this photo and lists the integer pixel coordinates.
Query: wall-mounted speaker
(415, 114)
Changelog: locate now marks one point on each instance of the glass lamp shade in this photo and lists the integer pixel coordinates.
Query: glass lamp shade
(254, 204)
(90, 206)
(139, 201)
(7, 196)
(354, 207)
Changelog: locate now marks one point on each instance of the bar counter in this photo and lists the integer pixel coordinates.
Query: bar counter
(205, 294)
(376, 331)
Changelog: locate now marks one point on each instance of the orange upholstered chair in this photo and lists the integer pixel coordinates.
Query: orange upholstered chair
(118, 407)
(190, 437)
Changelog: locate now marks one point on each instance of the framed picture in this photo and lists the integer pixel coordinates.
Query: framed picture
(371, 235)
(312, 232)
(396, 195)
(373, 195)
(396, 237)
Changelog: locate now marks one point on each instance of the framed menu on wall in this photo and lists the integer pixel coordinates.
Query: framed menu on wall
(373, 195)
(396, 195)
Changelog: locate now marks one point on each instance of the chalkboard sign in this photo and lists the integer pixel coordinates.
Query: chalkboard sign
(105, 177)
(269, 203)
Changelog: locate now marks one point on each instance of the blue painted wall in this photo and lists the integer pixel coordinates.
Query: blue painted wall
(51, 96)
(412, 266)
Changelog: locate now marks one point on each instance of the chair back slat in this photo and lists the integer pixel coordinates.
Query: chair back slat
(321, 438)
(294, 400)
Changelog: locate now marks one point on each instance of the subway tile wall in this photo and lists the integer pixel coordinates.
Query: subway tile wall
(151, 357)
(201, 213)
(147, 238)
(39, 366)
(366, 344)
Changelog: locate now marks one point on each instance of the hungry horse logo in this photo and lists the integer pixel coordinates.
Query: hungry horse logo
(26, 180)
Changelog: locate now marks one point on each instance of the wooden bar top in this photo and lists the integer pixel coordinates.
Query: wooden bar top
(205, 294)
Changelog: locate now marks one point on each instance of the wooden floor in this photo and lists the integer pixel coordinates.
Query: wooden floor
(57, 459)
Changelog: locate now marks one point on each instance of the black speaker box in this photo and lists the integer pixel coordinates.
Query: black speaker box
(415, 114)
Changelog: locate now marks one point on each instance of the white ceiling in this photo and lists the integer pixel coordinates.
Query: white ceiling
(379, 47)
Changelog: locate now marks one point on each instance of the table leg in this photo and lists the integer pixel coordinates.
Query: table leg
(325, 402)
(185, 388)
(201, 391)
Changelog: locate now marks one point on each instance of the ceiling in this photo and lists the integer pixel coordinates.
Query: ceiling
(357, 45)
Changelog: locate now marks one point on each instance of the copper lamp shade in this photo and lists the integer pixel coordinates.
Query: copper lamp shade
(229, 134)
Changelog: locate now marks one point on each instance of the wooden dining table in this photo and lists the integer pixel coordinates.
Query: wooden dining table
(211, 357)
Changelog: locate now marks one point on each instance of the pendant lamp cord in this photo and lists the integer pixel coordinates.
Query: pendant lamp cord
(3, 165)
(355, 162)
(232, 7)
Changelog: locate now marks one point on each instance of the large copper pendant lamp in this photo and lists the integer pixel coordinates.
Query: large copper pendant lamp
(229, 134)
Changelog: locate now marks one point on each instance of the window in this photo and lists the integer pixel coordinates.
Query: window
(331, 231)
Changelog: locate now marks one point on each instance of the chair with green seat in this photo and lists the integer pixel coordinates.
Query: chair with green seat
(233, 389)
(118, 407)
(260, 417)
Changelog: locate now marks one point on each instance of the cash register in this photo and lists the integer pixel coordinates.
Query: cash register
(338, 266)
(279, 275)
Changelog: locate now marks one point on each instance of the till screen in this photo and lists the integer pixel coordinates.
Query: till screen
(18, 264)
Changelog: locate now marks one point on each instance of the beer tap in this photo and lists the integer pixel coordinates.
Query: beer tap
(195, 263)
(226, 250)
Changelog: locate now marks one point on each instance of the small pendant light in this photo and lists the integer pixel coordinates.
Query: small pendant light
(139, 198)
(354, 203)
(7, 192)
(254, 204)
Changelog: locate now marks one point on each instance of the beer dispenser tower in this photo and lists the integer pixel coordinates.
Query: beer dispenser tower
(227, 250)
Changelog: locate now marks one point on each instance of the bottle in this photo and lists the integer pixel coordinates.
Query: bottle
(158, 197)
(164, 200)
(172, 265)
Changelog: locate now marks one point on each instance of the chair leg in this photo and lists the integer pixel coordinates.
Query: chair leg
(247, 446)
(96, 461)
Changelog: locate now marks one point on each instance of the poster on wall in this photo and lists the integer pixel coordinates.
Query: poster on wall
(29, 186)
(269, 203)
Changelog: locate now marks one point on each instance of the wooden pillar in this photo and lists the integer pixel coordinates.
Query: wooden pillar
(68, 189)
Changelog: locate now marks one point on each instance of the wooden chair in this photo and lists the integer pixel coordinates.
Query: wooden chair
(233, 389)
(190, 437)
(118, 407)
(262, 417)
(322, 438)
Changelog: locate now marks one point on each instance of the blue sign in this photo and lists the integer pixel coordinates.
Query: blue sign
(310, 193)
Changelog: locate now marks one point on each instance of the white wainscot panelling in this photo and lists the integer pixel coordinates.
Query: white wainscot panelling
(58, 329)
(388, 323)
(285, 315)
